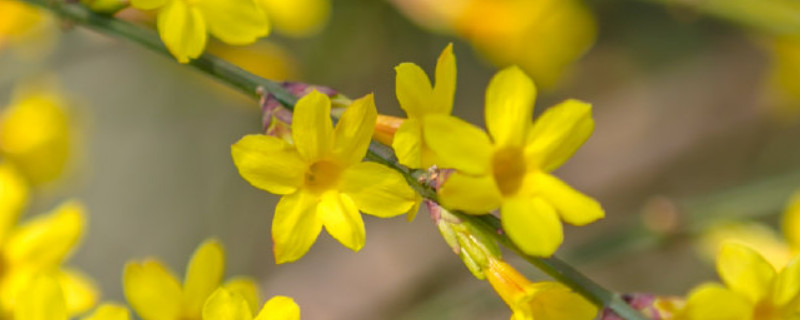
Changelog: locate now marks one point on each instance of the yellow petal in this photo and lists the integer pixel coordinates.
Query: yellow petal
(413, 89)
(785, 288)
(445, 87)
(245, 287)
(183, 30)
(791, 221)
(279, 308)
(297, 18)
(295, 226)
(236, 22)
(558, 133)
(312, 128)
(268, 163)
(341, 218)
(472, 194)
(41, 300)
(80, 291)
(147, 4)
(412, 213)
(458, 144)
(509, 107)
(554, 301)
(744, 271)
(758, 236)
(47, 240)
(224, 305)
(377, 190)
(109, 311)
(203, 275)
(408, 144)
(13, 198)
(574, 207)
(713, 302)
(532, 224)
(354, 131)
(152, 291)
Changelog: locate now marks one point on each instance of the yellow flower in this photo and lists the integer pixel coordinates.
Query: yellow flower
(226, 305)
(183, 25)
(155, 294)
(39, 246)
(35, 134)
(297, 18)
(28, 30)
(536, 301)
(43, 299)
(321, 176)
(753, 289)
(510, 170)
(422, 102)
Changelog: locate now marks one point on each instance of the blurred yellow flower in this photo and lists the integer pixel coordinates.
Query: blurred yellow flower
(226, 305)
(508, 169)
(422, 101)
(109, 311)
(543, 37)
(184, 25)
(753, 289)
(297, 18)
(43, 299)
(321, 176)
(154, 293)
(28, 30)
(265, 59)
(35, 133)
(537, 301)
(38, 246)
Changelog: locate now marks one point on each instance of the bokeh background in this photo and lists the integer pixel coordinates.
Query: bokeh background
(688, 129)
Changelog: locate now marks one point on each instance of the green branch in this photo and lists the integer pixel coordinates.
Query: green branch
(251, 85)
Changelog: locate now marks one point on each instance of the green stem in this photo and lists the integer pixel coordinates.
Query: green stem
(251, 84)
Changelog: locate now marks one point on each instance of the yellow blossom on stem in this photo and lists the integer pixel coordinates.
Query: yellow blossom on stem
(184, 25)
(753, 289)
(536, 300)
(321, 176)
(227, 305)
(422, 102)
(154, 293)
(509, 168)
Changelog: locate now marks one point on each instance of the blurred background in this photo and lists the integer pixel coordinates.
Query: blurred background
(696, 121)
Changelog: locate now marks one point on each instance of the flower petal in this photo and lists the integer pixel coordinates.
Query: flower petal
(295, 226)
(151, 290)
(408, 144)
(245, 287)
(183, 30)
(297, 18)
(13, 198)
(413, 89)
(744, 271)
(713, 302)
(224, 305)
(532, 224)
(279, 308)
(80, 291)
(574, 207)
(791, 221)
(341, 218)
(42, 299)
(553, 300)
(203, 275)
(377, 190)
(472, 194)
(445, 88)
(509, 106)
(354, 131)
(268, 163)
(458, 144)
(785, 288)
(558, 133)
(147, 4)
(236, 22)
(312, 128)
(109, 311)
(46, 240)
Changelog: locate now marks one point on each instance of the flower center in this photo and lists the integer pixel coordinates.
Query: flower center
(508, 167)
(322, 176)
